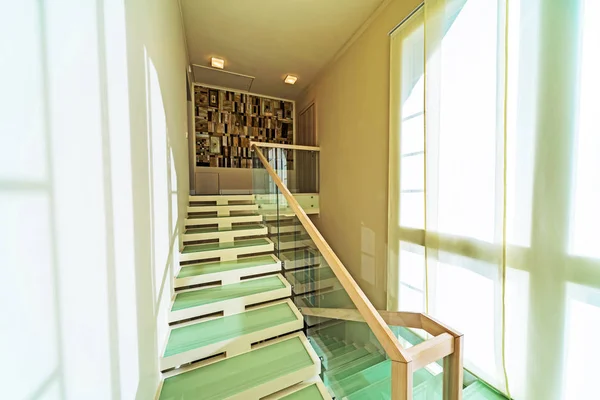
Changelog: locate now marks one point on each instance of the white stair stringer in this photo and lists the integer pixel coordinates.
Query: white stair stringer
(234, 346)
(230, 306)
(231, 276)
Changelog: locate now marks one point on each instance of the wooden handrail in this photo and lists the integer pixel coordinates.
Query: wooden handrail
(382, 332)
(285, 146)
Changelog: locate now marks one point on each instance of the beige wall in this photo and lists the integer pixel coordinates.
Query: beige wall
(352, 100)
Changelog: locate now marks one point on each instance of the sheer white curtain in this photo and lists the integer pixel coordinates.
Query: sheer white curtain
(495, 193)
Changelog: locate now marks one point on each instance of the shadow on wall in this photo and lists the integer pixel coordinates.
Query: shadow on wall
(93, 173)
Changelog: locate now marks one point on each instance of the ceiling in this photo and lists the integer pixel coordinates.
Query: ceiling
(268, 39)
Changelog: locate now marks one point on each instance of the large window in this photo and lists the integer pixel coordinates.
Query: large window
(494, 186)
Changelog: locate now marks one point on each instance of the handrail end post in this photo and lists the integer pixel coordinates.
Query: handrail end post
(453, 372)
(402, 380)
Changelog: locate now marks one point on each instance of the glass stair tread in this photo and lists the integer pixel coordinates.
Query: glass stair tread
(217, 330)
(332, 299)
(285, 222)
(323, 348)
(363, 378)
(198, 248)
(337, 374)
(310, 275)
(302, 254)
(203, 296)
(234, 375)
(224, 266)
(345, 358)
(340, 351)
(232, 228)
(379, 390)
(480, 391)
(293, 238)
(310, 392)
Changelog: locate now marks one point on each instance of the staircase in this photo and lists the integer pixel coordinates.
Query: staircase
(234, 332)
(248, 272)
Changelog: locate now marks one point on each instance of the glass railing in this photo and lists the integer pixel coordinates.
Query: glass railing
(361, 352)
(296, 166)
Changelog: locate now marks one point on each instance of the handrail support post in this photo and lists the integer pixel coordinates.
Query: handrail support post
(453, 372)
(402, 380)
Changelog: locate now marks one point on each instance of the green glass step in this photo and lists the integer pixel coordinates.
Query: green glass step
(425, 387)
(362, 379)
(332, 363)
(301, 254)
(331, 299)
(293, 238)
(379, 390)
(217, 330)
(198, 248)
(308, 393)
(371, 375)
(232, 228)
(224, 266)
(431, 388)
(480, 391)
(218, 293)
(340, 351)
(337, 374)
(237, 374)
(322, 348)
(309, 275)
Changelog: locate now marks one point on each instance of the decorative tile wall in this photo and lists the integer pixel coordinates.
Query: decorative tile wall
(226, 122)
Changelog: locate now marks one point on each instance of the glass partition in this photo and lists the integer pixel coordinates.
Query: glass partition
(352, 358)
(355, 363)
(298, 168)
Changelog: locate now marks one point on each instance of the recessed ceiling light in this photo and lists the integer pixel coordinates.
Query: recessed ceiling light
(217, 62)
(290, 79)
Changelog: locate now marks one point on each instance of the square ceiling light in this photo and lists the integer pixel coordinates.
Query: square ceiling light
(217, 62)
(290, 79)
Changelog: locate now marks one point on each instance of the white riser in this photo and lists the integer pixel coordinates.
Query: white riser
(222, 210)
(231, 306)
(272, 386)
(222, 199)
(227, 254)
(225, 236)
(229, 276)
(235, 346)
(223, 222)
(296, 388)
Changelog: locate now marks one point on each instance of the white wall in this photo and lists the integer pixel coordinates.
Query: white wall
(93, 189)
